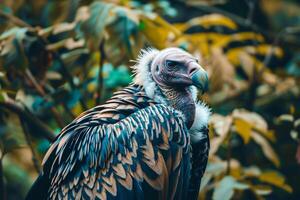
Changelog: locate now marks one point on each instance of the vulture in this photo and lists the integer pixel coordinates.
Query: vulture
(148, 141)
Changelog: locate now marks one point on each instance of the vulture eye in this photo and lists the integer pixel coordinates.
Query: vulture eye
(171, 64)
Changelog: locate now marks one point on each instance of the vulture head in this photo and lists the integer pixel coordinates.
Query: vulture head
(173, 76)
(169, 68)
(175, 68)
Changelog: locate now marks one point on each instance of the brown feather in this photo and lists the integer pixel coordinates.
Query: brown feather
(138, 174)
(111, 186)
(160, 182)
(177, 159)
(127, 183)
(119, 170)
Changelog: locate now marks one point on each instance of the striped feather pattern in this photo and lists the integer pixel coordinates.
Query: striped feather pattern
(128, 148)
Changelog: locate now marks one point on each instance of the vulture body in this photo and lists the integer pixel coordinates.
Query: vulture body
(149, 141)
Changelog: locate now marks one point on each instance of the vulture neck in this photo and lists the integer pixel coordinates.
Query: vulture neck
(182, 100)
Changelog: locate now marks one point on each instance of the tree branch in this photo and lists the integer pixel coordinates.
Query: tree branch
(16, 20)
(2, 185)
(228, 159)
(28, 140)
(251, 5)
(44, 130)
(100, 73)
(41, 91)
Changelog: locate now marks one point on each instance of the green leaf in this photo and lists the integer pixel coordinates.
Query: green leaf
(225, 188)
(12, 50)
(215, 168)
(16, 176)
(97, 20)
(124, 27)
(11, 134)
(1, 96)
(204, 181)
(72, 56)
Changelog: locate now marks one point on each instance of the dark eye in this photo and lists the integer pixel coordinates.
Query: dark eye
(171, 64)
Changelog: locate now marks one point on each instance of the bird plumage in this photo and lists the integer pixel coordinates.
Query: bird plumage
(134, 146)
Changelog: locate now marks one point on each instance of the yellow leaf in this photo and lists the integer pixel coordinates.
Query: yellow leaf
(261, 189)
(251, 171)
(243, 128)
(269, 135)
(221, 126)
(239, 37)
(247, 63)
(90, 103)
(266, 148)
(264, 49)
(276, 179)
(77, 109)
(236, 173)
(92, 87)
(237, 56)
(222, 70)
(253, 118)
(208, 21)
(180, 26)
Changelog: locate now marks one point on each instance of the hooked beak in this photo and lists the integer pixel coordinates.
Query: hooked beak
(200, 79)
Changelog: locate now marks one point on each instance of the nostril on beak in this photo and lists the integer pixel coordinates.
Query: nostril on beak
(193, 70)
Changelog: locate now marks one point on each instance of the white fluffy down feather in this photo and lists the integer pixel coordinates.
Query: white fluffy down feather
(202, 115)
(141, 71)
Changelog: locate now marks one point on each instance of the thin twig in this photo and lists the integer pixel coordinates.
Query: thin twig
(28, 140)
(42, 128)
(228, 154)
(16, 20)
(255, 77)
(34, 82)
(251, 5)
(41, 91)
(2, 185)
(99, 96)
(258, 73)
(275, 43)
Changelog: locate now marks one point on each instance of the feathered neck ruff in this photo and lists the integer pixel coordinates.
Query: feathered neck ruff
(141, 70)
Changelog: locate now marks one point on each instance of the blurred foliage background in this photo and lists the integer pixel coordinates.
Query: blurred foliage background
(61, 57)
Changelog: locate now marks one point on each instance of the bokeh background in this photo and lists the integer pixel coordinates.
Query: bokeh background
(61, 57)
